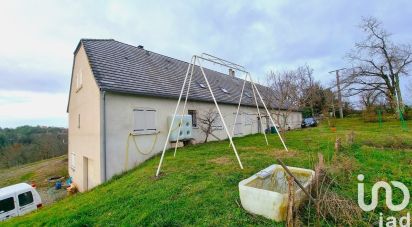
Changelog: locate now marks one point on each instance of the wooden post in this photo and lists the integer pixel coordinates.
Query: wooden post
(350, 138)
(291, 201)
(337, 144)
(294, 178)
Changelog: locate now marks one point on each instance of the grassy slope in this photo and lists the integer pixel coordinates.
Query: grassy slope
(199, 186)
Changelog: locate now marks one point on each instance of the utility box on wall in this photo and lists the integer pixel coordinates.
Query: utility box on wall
(185, 129)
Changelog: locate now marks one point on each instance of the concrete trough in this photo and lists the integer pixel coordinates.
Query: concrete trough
(266, 192)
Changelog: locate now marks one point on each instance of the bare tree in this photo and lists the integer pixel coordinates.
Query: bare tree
(308, 91)
(290, 90)
(285, 92)
(378, 63)
(371, 98)
(208, 122)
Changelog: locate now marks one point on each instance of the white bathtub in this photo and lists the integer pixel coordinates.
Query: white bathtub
(265, 193)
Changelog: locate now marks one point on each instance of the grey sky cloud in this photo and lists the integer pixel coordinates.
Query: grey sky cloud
(36, 49)
(34, 80)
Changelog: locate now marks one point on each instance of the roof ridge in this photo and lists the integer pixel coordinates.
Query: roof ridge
(91, 39)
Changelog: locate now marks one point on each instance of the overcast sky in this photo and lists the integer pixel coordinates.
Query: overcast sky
(38, 39)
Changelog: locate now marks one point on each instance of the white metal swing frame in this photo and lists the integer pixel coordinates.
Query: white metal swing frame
(255, 90)
(225, 63)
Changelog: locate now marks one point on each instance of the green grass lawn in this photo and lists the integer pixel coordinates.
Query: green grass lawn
(200, 185)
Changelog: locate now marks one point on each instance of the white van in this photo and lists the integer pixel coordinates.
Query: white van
(17, 200)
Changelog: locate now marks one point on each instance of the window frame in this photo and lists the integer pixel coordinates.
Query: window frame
(217, 124)
(249, 118)
(79, 80)
(201, 85)
(193, 113)
(238, 123)
(13, 202)
(31, 198)
(78, 121)
(224, 90)
(73, 161)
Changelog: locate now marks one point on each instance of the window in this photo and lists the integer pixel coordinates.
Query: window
(238, 124)
(73, 161)
(6, 205)
(25, 198)
(217, 123)
(249, 118)
(194, 119)
(144, 121)
(79, 79)
(224, 90)
(201, 85)
(78, 121)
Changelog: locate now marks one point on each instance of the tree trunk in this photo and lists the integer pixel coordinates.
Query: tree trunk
(207, 134)
(399, 96)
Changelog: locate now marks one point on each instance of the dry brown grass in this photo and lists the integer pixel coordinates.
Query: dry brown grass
(221, 160)
(329, 206)
(342, 164)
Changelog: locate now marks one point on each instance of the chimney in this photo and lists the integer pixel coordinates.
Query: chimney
(231, 72)
(140, 47)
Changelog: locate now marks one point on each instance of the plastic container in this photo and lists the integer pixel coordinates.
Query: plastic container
(58, 185)
(266, 193)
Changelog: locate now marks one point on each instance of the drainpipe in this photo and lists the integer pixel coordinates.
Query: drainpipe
(104, 138)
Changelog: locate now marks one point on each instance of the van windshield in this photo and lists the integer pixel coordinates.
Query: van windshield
(6, 205)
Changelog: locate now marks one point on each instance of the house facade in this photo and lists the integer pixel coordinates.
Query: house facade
(121, 97)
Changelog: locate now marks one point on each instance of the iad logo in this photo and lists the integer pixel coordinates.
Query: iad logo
(388, 190)
(390, 221)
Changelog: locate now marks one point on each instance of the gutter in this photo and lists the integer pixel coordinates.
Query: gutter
(104, 138)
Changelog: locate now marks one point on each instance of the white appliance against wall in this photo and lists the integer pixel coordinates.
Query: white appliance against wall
(181, 127)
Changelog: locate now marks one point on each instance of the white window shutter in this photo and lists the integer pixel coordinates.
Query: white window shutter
(150, 120)
(139, 120)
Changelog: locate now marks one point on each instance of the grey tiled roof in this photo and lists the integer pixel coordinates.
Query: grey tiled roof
(123, 68)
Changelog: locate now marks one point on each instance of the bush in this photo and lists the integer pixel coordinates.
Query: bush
(407, 115)
(370, 115)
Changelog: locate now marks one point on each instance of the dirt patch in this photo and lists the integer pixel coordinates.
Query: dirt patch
(266, 150)
(221, 160)
(254, 149)
(283, 153)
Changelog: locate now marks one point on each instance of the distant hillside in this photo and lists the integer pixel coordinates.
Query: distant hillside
(27, 144)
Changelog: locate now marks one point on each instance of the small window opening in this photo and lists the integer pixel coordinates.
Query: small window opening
(78, 121)
(201, 85)
(194, 117)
